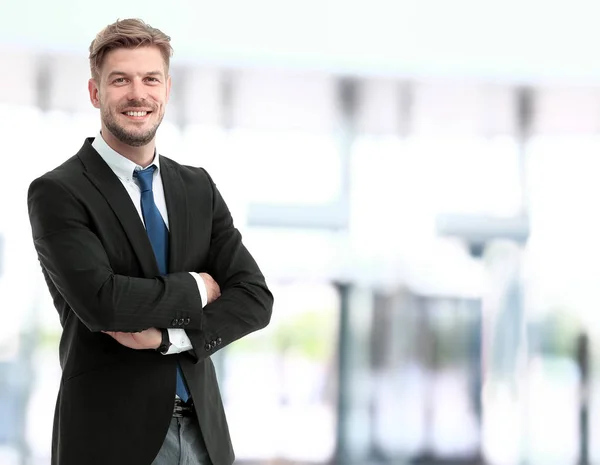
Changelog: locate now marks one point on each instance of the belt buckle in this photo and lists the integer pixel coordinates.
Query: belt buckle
(180, 409)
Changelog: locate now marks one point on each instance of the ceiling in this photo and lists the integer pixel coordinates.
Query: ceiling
(496, 40)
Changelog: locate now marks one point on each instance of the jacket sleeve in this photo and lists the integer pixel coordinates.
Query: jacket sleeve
(77, 264)
(245, 304)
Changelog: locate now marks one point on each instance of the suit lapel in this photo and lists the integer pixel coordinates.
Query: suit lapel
(175, 199)
(100, 174)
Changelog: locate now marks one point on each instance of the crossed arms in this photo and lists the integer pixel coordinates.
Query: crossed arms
(77, 264)
(151, 338)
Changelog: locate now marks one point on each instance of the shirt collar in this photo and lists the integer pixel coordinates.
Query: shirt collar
(121, 166)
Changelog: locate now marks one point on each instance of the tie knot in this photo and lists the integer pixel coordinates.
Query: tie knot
(144, 177)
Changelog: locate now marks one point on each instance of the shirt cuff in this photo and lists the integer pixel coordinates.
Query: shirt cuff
(180, 342)
(201, 288)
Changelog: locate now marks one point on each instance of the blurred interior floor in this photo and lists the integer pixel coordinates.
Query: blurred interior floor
(421, 460)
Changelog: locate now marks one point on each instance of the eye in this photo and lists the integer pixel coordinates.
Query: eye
(152, 79)
(119, 80)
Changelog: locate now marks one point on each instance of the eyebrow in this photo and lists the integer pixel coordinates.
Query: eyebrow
(123, 73)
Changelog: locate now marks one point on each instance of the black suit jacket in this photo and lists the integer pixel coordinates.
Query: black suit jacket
(115, 404)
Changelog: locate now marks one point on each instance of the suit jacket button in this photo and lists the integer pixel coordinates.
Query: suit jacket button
(207, 347)
(213, 344)
(186, 321)
(219, 341)
(174, 322)
(181, 321)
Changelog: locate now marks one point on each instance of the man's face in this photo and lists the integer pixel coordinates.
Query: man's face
(131, 92)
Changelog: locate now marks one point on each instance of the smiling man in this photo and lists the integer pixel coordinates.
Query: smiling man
(147, 272)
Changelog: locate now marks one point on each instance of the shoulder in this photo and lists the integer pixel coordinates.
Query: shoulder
(187, 172)
(59, 185)
(61, 175)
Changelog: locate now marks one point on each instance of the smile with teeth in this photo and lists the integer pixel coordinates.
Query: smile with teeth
(136, 113)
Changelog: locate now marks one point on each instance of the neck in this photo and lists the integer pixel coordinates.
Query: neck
(142, 156)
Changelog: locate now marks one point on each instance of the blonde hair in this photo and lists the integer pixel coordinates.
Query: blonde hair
(127, 33)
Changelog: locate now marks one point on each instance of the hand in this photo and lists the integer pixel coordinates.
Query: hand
(148, 339)
(213, 291)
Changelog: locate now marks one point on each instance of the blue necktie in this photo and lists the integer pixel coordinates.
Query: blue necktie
(159, 238)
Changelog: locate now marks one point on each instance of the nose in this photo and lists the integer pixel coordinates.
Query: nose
(137, 90)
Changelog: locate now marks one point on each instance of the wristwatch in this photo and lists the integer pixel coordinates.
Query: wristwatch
(165, 343)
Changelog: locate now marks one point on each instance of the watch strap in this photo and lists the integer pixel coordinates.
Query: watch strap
(165, 343)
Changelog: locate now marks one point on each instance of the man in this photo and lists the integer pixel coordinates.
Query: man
(147, 272)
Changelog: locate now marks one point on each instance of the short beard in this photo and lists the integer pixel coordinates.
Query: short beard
(128, 138)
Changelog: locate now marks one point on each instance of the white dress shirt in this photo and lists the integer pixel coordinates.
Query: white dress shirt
(123, 169)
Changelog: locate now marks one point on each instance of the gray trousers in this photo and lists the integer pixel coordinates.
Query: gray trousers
(183, 444)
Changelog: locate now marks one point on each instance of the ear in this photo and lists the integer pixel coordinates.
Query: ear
(94, 93)
(168, 88)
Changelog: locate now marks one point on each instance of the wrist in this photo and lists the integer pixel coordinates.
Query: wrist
(165, 342)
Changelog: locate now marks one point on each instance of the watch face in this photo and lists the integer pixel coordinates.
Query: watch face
(163, 348)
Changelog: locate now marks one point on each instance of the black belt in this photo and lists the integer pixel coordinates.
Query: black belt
(183, 409)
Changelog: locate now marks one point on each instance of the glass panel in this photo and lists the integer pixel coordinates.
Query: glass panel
(287, 167)
(285, 376)
(561, 271)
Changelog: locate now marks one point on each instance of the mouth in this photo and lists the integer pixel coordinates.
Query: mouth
(137, 115)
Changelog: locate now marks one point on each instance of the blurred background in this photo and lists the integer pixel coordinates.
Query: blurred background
(419, 181)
